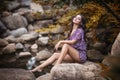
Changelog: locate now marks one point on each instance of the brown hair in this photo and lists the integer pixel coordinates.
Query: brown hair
(81, 25)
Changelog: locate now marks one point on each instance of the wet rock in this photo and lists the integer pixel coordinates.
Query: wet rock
(18, 32)
(16, 74)
(10, 48)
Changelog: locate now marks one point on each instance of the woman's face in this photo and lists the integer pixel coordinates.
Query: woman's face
(77, 19)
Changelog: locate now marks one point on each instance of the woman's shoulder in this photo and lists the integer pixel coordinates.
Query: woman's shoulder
(80, 30)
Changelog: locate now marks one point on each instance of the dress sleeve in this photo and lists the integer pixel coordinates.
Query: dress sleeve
(78, 35)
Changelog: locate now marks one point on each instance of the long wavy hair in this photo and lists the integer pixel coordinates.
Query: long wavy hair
(81, 25)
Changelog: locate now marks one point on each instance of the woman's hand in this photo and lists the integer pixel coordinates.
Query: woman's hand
(57, 45)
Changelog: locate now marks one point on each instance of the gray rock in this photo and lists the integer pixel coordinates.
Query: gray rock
(44, 54)
(43, 41)
(15, 21)
(19, 46)
(28, 37)
(75, 71)
(16, 74)
(18, 32)
(12, 5)
(25, 2)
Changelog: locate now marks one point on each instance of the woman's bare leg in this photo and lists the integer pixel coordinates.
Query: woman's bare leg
(67, 49)
(50, 60)
(47, 62)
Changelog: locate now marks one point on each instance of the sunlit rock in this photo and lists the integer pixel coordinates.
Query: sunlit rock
(44, 54)
(34, 48)
(43, 41)
(75, 71)
(36, 8)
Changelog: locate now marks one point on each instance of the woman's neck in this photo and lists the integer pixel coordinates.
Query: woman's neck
(75, 26)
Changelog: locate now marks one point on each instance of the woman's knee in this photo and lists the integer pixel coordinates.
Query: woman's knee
(66, 45)
(56, 55)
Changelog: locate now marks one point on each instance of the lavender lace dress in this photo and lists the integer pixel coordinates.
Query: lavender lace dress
(81, 44)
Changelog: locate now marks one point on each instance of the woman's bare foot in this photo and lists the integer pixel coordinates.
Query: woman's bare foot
(36, 69)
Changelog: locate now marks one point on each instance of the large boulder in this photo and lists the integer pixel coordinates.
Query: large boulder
(75, 71)
(115, 51)
(15, 21)
(16, 74)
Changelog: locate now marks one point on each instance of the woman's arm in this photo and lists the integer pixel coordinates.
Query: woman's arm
(65, 42)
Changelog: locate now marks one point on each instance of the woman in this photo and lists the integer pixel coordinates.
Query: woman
(73, 49)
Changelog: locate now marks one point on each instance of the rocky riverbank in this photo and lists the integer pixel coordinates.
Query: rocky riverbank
(21, 39)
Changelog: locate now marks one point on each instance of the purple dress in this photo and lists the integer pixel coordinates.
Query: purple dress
(81, 44)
